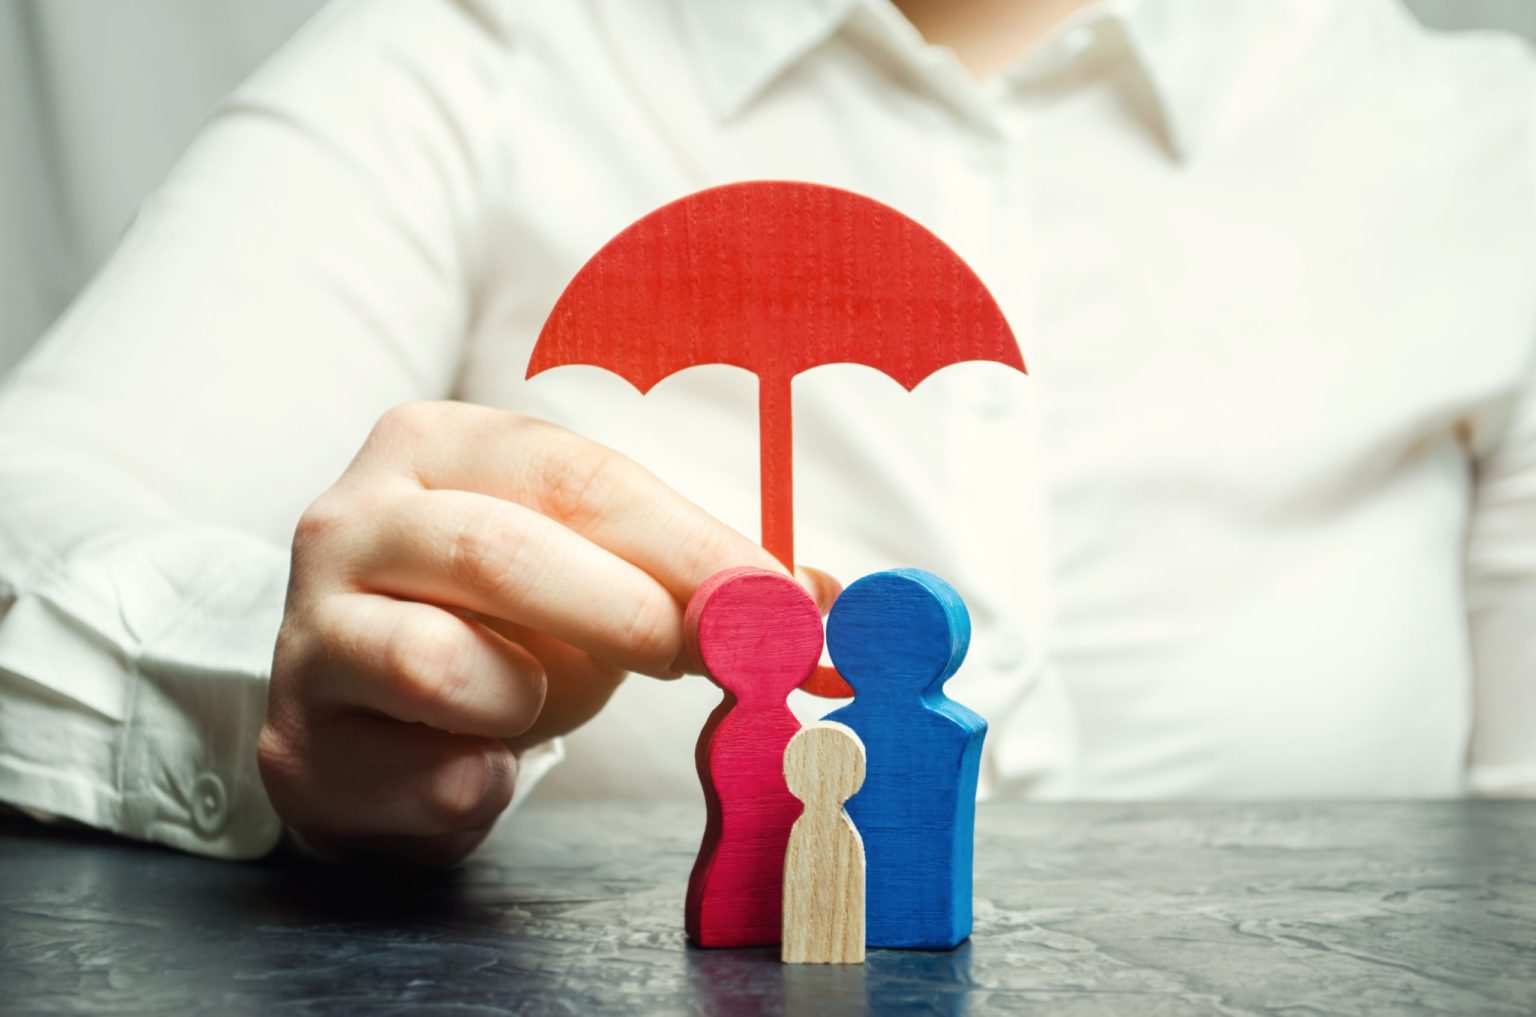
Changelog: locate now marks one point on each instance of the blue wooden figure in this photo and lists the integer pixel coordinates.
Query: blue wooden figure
(897, 637)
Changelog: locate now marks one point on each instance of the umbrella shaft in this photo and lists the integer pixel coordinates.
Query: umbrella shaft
(776, 441)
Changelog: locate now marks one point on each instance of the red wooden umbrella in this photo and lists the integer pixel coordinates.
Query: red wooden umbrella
(775, 277)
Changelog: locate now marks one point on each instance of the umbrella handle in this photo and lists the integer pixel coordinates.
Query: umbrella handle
(776, 466)
(775, 435)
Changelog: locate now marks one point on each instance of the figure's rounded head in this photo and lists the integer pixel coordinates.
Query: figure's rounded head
(824, 760)
(899, 633)
(757, 633)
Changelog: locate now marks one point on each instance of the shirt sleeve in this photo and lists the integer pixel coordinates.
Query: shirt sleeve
(308, 264)
(1501, 600)
(1501, 579)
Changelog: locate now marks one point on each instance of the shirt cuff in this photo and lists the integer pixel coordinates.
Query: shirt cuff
(144, 722)
(1502, 781)
(113, 717)
(532, 766)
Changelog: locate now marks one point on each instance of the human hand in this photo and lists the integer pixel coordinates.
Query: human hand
(475, 583)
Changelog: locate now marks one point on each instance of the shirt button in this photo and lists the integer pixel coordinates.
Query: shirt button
(210, 805)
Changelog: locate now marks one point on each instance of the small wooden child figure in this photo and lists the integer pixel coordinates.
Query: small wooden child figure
(824, 863)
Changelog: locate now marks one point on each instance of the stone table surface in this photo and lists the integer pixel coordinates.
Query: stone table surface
(1370, 908)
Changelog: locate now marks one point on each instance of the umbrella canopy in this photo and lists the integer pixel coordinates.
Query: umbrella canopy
(776, 277)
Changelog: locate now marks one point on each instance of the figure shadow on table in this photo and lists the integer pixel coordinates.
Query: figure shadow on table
(934, 982)
(743, 983)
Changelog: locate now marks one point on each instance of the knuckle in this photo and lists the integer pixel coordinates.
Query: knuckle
(407, 421)
(328, 630)
(483, 552)
(579, 480)
(320, 522)
(521, 421)
(473, 791)
(276, 759)
(327, 621)
(424, 658)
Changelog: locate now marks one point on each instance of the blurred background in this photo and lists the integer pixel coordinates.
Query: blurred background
(98, 97)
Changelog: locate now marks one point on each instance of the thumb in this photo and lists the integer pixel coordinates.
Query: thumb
(822, 587)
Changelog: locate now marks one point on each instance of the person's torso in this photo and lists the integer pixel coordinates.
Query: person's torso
(1213, 544)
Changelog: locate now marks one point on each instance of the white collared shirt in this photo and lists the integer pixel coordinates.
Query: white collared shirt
(1261, 521)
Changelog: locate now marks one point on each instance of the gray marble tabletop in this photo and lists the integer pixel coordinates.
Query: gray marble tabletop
(1374, 908)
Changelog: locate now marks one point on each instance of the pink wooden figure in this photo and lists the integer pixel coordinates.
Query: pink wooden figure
(758, 635)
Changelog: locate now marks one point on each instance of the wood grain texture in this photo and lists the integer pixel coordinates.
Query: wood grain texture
(897, 637)
(758, 635)
(775, 277)
(824, 863)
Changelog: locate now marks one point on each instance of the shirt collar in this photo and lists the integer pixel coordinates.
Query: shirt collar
(1185, 50)
(1190, 53)
(741, 46)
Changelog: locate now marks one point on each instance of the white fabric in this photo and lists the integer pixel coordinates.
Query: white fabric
(96, 102)
(1262, 522)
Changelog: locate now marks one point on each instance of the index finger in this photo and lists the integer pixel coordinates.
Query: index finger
(589, 488)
